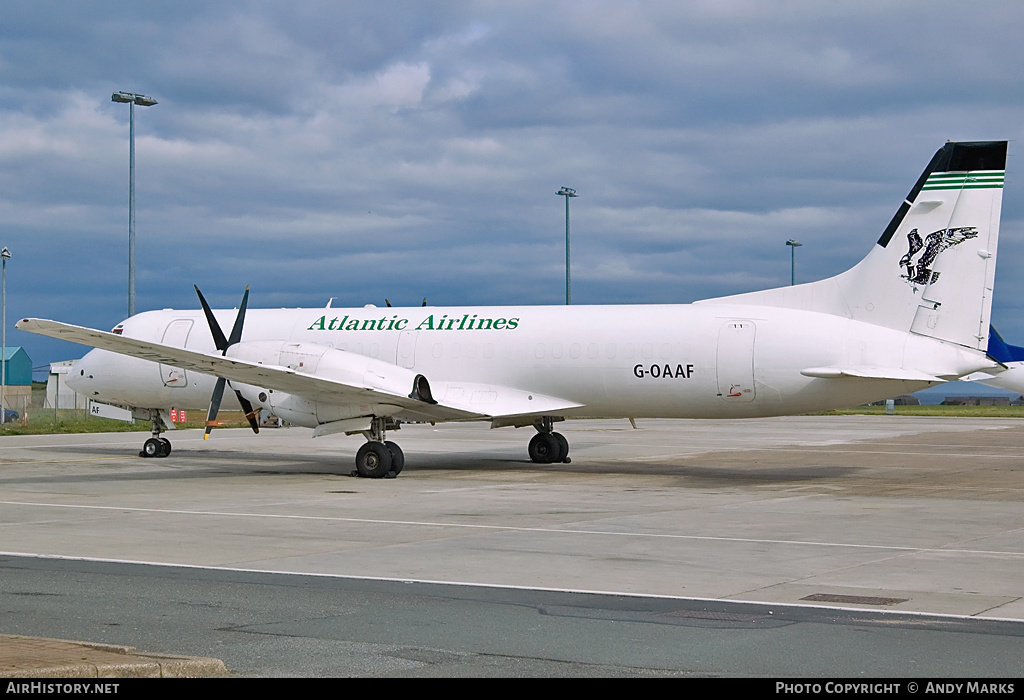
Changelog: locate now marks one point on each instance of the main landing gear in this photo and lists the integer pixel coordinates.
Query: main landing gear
(156, 446)
(547, 446)
(379, 458)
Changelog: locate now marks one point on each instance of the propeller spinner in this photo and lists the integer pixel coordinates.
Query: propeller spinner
(223, 344)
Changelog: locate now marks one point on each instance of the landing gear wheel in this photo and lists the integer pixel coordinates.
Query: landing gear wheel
(167, 446)
(153, 447)
(563, 448)
(397, 457)
(373, 460)
(544, 448)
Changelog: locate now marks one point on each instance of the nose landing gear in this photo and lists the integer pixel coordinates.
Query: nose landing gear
(156, 446)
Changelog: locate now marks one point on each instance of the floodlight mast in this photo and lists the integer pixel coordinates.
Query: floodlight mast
(132, 99)
(567, 192)
(5, 255)
(793, 245)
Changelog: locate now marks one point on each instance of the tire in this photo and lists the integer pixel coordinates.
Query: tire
(397, 457)
(563, 448)
(543, 448)
(153, 448)
(373, 460)
(167, 446)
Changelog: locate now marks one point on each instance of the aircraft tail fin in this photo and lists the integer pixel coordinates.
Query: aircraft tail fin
(1001, 351)
(931, 272)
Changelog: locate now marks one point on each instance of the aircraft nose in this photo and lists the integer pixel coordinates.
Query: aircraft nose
(82, 372)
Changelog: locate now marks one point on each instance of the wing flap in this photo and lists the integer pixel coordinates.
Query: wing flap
(497, 401)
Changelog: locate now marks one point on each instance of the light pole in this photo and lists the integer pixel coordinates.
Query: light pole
(567, 192)
(793, 245)
(5, 255)
(132, 99)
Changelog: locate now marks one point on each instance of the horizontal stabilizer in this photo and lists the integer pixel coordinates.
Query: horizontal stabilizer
(890, 373)
(982, 377)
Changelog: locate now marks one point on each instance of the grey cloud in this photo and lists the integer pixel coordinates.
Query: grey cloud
(404, 150)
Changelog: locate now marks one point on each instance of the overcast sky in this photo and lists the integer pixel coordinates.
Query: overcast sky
(404, 150)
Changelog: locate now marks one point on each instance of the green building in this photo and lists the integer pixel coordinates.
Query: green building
(17, 369)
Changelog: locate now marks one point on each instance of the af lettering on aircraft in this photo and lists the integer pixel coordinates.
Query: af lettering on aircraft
(913, 313)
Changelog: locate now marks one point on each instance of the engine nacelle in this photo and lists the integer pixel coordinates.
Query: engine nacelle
(329, 363)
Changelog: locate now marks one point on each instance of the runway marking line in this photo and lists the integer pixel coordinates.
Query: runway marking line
(513, 528)
(12, 462)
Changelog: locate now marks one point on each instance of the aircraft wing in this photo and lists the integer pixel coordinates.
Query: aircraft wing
(453, 400)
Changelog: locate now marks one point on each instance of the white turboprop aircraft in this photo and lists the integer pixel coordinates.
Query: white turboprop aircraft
(913, 313)
(1010, 374)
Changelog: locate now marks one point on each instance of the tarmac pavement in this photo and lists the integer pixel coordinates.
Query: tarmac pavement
(910, 515)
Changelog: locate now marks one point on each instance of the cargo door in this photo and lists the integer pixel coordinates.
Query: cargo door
(175, 335)
(736, 361)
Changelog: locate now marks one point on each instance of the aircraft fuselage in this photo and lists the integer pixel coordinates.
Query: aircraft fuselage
(668, 361)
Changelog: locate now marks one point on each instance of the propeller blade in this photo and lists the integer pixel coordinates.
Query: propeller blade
(223, 344)
(236, 330)
(249, 412)
(218, 335)
(211, 415)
